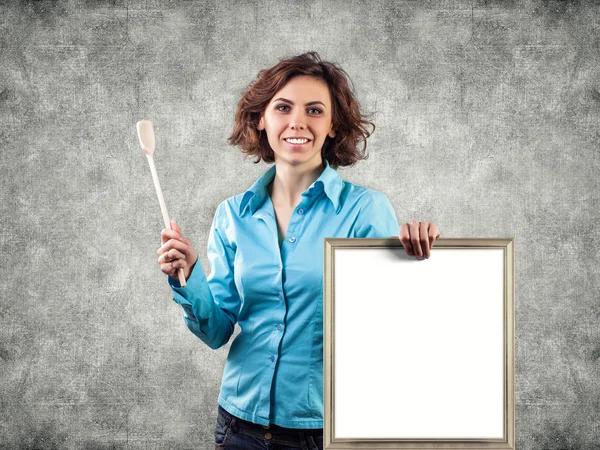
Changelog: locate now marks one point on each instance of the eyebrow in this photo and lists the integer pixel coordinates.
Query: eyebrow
(307, 104)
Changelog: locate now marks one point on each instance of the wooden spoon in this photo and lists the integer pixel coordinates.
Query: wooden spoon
(146, 136)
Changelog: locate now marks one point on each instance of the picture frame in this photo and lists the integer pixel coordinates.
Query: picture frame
(419, 354)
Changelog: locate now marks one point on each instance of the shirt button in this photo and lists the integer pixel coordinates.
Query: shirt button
(300, 211)
(292, 239)
(278, 327)
(279, 269)
(272, 358)
(268, 436)
(280, 297)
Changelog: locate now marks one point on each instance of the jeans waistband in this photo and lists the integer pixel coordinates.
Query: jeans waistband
(277, 433)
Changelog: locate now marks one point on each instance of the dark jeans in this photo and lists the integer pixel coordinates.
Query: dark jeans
(232, 433)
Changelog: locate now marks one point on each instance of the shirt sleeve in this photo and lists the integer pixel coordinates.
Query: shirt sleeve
(211, 304)
(376, 218)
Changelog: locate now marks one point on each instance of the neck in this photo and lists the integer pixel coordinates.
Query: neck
(291, 181)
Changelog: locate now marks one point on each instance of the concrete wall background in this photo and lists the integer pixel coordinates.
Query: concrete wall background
(488, 119)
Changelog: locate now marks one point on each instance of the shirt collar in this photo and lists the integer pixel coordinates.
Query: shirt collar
(329, 181)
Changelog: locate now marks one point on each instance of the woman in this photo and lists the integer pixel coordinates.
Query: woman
(266, 252)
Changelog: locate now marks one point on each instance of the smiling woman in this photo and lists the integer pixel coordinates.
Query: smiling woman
(266, 253)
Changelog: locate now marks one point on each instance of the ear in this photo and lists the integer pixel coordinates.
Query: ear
(261, 123)
(331, 133)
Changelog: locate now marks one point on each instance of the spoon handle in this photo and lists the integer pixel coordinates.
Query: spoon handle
(163, 209)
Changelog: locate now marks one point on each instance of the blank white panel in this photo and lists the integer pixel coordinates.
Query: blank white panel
(418, 345)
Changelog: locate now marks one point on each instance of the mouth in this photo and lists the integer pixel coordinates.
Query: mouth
(297, 141)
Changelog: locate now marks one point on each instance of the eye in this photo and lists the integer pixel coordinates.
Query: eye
(315, 111)
(282, 108)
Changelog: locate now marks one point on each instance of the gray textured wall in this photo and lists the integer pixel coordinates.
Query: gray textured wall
(488, 119)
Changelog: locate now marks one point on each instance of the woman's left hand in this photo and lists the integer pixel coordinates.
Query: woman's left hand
(418, 238)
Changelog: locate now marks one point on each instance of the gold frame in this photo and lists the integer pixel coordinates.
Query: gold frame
(508, 440)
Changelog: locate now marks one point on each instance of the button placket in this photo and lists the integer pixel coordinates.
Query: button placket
(292, 234)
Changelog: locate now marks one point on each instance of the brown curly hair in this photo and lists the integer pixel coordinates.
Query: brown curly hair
(348, 121)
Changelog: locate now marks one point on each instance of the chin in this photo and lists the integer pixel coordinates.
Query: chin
(300, 161)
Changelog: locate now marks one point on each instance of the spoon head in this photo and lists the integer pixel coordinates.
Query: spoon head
(146, 135)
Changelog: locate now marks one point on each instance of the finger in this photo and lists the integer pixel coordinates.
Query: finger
(175, 226)
(424, 238)
(172, 268)
(170, 255)
(434, 233)
(167, 234)
(405, 239)
(176, 264)
(414, 238)
(167, 269)
(177, 244)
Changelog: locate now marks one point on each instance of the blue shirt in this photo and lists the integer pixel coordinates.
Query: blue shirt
(274, 370)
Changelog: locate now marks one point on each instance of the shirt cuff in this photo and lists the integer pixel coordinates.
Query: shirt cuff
(195, 298)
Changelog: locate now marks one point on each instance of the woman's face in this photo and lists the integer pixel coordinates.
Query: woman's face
(301, 110)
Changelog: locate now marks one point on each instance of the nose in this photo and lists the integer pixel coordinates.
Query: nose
(298, 122)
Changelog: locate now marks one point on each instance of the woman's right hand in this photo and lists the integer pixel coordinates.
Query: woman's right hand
(175, 252)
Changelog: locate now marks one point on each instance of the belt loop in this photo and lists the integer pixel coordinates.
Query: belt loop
(234, 424)
(228, 418)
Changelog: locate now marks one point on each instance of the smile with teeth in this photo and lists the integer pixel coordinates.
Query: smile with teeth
(297, 141)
